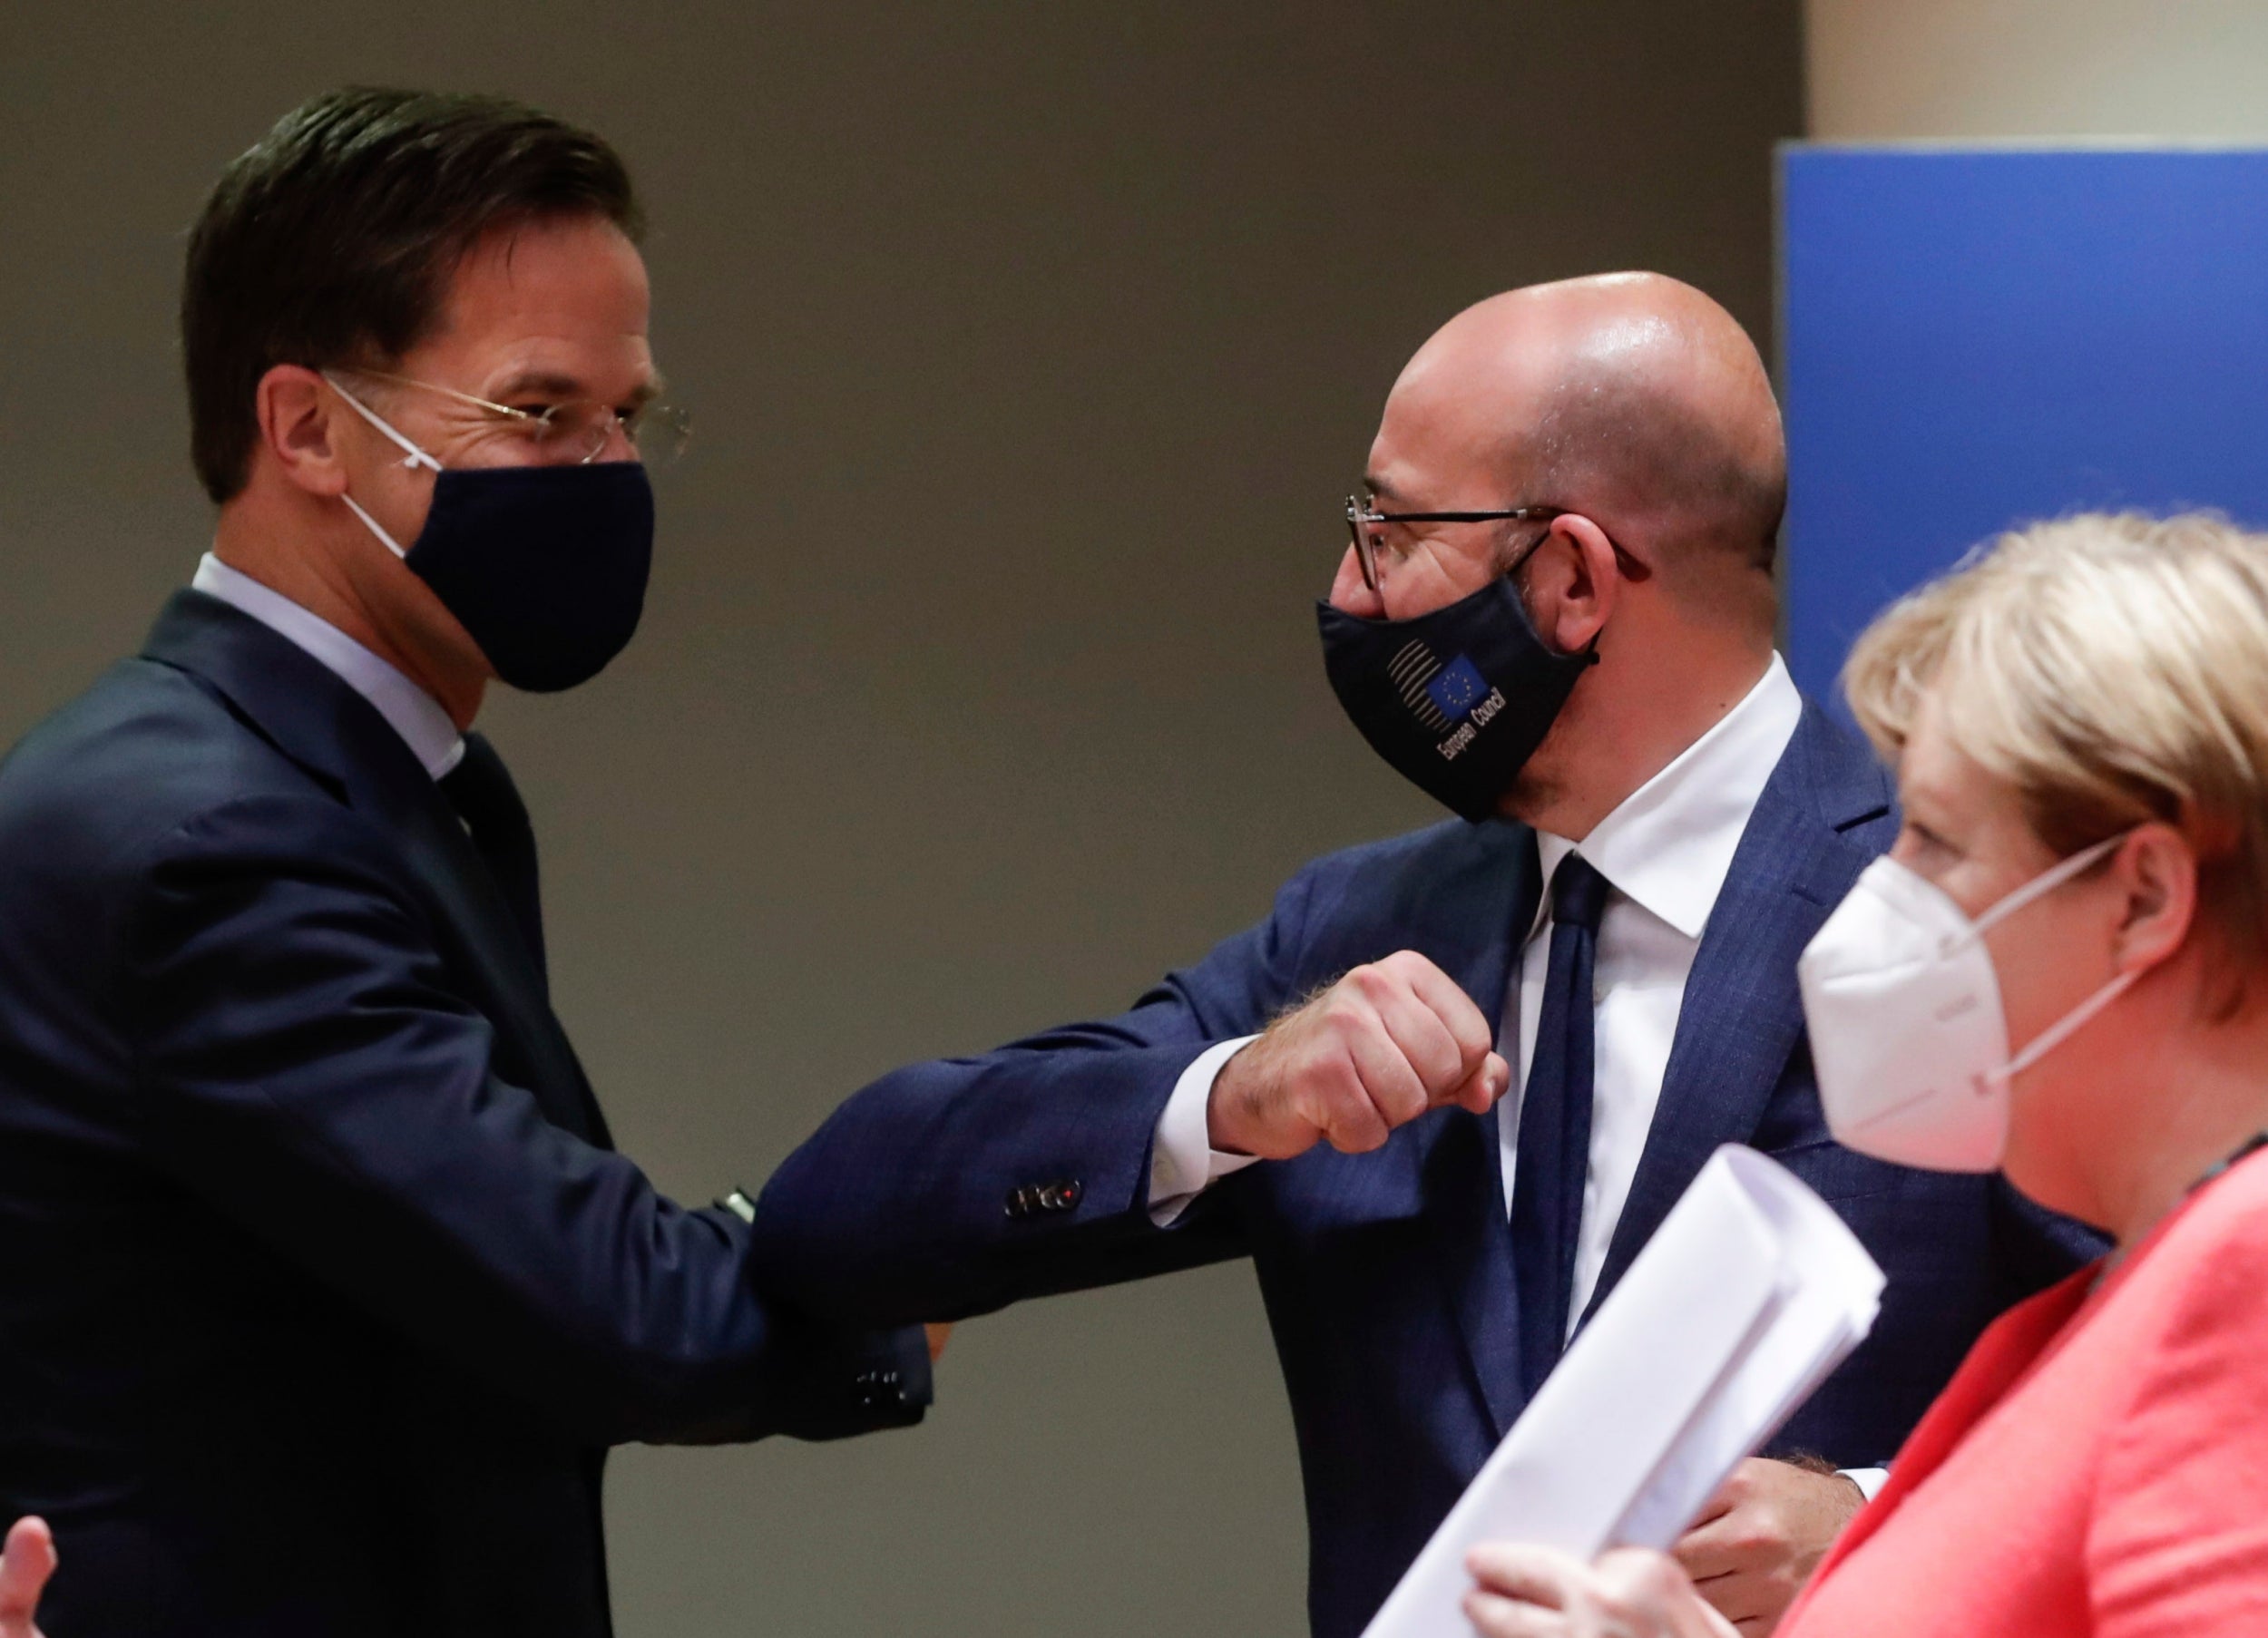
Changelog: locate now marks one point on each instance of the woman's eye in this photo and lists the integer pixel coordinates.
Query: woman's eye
(1927, 839)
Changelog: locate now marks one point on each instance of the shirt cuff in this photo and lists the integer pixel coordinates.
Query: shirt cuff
(1870, 1480)
(1183, 1161)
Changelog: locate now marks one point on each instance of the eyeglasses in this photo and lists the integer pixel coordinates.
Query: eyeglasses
(1362, 518)
(577, 430)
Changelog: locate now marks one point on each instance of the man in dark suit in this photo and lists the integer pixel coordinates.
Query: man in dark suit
(1556, 616)
(322, 1291)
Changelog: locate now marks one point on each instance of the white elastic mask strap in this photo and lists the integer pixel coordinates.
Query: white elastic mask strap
(2047, 882)
(415, 457)
(371, 524)
(412, 455)
(2068, 1026)
(2076, 1020)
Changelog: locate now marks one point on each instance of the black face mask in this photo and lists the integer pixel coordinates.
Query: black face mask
(1456, 700)
(545, 567)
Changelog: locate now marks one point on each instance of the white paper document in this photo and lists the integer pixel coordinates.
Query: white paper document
(1748, 1294)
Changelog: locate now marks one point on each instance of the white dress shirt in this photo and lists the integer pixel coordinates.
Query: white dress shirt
(415, 715)
(1664, 853)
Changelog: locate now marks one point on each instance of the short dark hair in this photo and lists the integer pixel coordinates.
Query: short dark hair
(332, 241)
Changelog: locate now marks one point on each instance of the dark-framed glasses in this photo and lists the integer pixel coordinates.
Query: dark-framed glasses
(1363, 517)
(573, 429)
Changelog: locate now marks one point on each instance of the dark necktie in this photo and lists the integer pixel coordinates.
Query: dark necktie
(1552, 1157)
(480, 788)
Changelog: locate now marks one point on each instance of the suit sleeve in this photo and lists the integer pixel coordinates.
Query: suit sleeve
(957, 1187)
(2178, 1543)
(303, 1066)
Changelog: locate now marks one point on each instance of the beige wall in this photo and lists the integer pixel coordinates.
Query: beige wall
(1032, 345)
(1884, 69)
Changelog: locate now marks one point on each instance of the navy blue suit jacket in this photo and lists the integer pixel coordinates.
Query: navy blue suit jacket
(940, 1190)
(321, 1292)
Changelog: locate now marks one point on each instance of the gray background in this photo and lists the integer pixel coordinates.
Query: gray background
(1033, 348)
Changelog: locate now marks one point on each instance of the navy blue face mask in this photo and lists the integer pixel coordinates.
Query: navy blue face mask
(545, 567)
(1457, 700)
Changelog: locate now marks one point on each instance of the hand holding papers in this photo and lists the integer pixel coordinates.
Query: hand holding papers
(1751, 1292)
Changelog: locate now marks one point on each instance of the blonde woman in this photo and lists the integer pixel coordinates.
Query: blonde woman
(2061, 971)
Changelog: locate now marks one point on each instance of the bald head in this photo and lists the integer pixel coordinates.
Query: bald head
(1627, 396)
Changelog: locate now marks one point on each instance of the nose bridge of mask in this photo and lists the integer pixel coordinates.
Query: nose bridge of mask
(413, 457)
(1918, 903)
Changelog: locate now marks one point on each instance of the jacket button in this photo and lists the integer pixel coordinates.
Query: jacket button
(1019, 1202)
(879, 1390)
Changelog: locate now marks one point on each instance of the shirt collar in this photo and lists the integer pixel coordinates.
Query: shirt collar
(1669, 844)
(414, 714)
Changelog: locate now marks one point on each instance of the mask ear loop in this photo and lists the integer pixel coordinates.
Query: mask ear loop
(2065, 1028)
(373, 525)
(1589, 653)
(2081, 1016)
(415, 457)
(2045, 882)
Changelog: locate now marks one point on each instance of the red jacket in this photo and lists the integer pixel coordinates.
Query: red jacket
(2099, 1464)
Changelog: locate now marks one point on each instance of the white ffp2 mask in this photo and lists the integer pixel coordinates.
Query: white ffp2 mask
(1907, 1033)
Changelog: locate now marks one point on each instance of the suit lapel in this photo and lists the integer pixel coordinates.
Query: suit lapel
(307, 713)
(1469, 920)
(1743, 1015)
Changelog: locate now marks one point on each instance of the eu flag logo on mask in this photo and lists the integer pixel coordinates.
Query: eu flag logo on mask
(1457, 688)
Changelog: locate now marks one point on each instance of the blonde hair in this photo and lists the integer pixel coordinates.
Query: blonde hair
(2111, 668)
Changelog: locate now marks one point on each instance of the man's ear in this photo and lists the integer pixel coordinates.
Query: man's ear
(2157, 871)
(1572, 583)
(299, 425)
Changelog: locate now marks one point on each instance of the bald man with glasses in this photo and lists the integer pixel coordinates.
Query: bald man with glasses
(1444, 1092)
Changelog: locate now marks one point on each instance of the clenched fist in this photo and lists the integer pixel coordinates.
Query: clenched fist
(1377, 1049)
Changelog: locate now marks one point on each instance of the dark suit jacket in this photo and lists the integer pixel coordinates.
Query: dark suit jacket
(321, 1293)
(940, 1190)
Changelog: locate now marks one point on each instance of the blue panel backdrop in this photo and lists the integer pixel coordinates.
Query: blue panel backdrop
(1974, 337)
